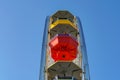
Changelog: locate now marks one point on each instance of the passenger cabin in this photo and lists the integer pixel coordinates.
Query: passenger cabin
(62, 15)
(63, 22)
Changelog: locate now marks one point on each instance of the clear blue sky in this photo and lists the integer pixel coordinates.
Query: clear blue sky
(21, 29)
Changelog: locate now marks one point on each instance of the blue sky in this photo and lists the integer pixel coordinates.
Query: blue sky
(21, 31)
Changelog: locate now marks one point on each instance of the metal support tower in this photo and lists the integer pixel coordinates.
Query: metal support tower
(63, 55)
